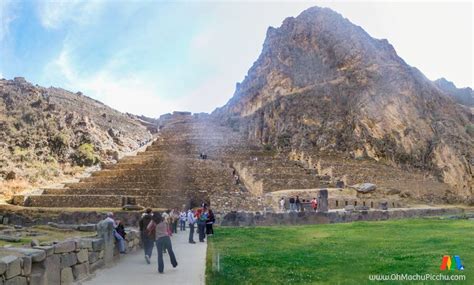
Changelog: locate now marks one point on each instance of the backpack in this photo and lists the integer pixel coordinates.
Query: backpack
(150, 229)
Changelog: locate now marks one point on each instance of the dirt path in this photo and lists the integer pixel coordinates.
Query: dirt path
(133, 270)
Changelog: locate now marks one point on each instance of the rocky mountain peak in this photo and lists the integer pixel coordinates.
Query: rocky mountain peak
(323, 84)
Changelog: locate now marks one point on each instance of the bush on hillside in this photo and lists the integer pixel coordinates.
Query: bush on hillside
(85, 155)
(59, 144)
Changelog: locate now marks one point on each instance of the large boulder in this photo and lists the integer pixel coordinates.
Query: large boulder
(365, 187)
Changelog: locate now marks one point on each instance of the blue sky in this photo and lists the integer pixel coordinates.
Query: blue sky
(153, 57)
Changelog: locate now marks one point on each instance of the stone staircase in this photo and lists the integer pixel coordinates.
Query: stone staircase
(170, 173)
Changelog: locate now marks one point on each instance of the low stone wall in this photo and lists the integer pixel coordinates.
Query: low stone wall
(26, 217)
(62, 263)
(301, 218)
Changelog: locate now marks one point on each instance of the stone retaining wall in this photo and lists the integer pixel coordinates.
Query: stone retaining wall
(302, 218)
(30, 218)
(62, 263)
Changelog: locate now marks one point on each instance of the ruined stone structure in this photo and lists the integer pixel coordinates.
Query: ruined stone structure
(195, 160)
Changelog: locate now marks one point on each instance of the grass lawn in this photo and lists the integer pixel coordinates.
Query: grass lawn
(46, 234)
(338, 253)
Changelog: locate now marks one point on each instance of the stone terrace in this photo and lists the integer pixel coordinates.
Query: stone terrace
(170, 173)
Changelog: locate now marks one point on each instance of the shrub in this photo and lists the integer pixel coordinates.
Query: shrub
(85, 155)
(470, 129)
(268, 147)
(59, 144)
(22, 154)
(284, 140)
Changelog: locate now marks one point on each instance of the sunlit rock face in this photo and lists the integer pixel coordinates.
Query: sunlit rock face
(323, 84)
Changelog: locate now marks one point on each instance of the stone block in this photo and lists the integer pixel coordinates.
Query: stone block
(50, 267)
(68, 259)
(96, 265)
(105, 230)
(26, 265)
(97, 244)
(87, 227)
(36, 255)
(3, 267)
(349, 208)
(13, 266)
(101, 254)
(80, 271)
(85, 243)
(82, 256)
(18, 280)
(48, 249)
(67, 276)
(65, 246)
(361, 208)
(38, 279)
(93, 256)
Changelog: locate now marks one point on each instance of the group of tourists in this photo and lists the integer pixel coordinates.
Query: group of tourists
(157, 229)
(297, 205)
(204, 219)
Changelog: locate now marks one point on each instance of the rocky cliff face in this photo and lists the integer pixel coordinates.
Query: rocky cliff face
(323, 84)
(46, 132)
(463, 96)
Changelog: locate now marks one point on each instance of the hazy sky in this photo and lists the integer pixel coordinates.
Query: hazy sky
(153, 57)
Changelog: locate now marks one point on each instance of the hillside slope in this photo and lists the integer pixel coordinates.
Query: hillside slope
(323, 84)
(464, 96)
(46, 133)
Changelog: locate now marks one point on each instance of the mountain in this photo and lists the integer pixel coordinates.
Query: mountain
(464, 96)
(48, 133)
(322, 84)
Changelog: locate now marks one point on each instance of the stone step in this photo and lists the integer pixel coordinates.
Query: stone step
(283, 176)
(109, 191)
(270, 185)
(103, 201)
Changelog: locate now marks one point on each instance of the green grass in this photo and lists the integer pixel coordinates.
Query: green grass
(46, 234)
(338, 253)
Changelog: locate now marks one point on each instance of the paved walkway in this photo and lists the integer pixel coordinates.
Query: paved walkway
(133, 270)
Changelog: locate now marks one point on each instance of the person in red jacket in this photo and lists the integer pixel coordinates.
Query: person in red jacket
(314, 204)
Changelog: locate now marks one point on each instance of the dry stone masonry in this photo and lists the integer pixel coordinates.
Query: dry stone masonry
(61, 263)
(196, 159)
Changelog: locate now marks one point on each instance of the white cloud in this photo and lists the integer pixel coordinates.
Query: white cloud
(218, 54)
(133, 93)
(7, 16)
(54, 14)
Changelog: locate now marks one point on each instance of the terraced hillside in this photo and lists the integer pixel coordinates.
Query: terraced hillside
(171, 173)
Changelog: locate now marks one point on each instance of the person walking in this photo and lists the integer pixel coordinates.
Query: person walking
(298, 204)
(182, 220)
(148, 238)
(210, 222)
(167, 219)
(282, 204)
(191, 221)
(292, 204)
(163, 242)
